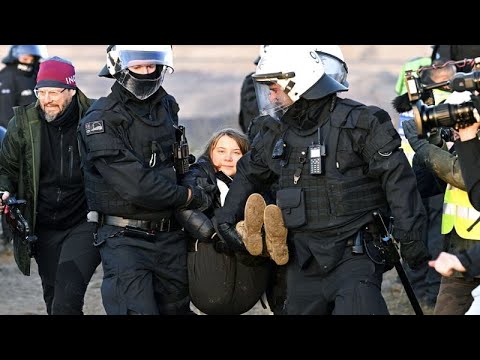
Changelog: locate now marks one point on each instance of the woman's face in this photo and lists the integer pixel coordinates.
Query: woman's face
(225, 155)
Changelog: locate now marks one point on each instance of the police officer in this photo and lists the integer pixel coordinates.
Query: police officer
(127, 141)
(333, 162)
(18, 78)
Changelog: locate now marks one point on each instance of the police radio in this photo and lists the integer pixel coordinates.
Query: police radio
(315, 153)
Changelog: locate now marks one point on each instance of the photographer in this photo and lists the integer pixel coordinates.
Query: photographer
(454, 294)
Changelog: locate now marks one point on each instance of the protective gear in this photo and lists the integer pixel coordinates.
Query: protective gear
(298, 72)
(459, 213)
(199, 199)
(263, 50)
(414, 253)
(334, 62)
(15, 51)
(229, 235)
(311, 209)
(121, 57)
(197, 224)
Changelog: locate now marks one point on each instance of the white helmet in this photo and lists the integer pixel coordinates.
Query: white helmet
(298, 71)
(334, 62)
(121, 57)
(263, 50)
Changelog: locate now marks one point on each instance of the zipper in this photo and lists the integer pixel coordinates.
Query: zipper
(61, 153)
(70, 157)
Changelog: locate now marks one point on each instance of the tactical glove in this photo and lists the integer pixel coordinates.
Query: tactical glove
(199, 199)
(230, 236)
(414, 253)
(221, 246)
(410, 130)
(197, 224)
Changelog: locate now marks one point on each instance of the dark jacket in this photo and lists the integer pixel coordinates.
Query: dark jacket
(198, 224)
(20, 162)
(369, 146)
(469, 160)
(127, 154)
(16, 89)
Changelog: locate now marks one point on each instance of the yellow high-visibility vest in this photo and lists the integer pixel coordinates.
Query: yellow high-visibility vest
(458, 212)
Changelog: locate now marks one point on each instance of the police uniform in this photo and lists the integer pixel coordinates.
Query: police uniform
(362, 170)
(131, 182)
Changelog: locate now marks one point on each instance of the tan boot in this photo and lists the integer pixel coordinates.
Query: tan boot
(250, 229)
(276, 234)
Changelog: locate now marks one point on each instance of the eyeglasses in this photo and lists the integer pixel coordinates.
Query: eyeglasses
(54, 94)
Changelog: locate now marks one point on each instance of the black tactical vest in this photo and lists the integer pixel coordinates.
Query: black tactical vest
(332, 200)
(150, 141)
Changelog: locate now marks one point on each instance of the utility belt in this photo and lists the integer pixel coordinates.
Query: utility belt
(149, 226)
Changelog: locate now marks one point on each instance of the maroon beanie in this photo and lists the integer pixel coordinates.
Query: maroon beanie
(56, 72)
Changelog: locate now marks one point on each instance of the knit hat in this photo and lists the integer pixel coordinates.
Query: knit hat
(56, 72)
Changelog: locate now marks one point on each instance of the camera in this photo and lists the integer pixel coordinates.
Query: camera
(429, 116)
(456, 116)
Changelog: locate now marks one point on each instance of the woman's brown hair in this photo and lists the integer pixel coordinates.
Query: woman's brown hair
(240, 138)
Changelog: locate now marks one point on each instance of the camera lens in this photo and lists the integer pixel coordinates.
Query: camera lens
(443, 115)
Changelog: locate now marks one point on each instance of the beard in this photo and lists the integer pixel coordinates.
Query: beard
(51, 116)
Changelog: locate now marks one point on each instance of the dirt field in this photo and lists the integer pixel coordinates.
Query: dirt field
(206, 84)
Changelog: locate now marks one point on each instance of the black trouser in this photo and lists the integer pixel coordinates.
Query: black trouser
(144, 277)
(353, 287)
(66, 262)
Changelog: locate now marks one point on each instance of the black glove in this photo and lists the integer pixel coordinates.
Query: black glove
(230, 236)
(410, 130)
(199, 199)
(435, 137)
(414, 253)
(221, 246)
(196, 223)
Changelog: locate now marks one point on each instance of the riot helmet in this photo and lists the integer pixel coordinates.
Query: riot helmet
(121, 57)
(287, 72)
(333, 62)
(263, 50)
(37, 51)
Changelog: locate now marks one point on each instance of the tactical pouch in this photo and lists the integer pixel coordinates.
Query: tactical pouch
(292, 203)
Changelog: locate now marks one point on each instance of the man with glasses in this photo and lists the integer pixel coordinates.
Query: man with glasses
(40, 162)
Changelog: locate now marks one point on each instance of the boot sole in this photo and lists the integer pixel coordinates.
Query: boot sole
(276, 235)
(253, 222)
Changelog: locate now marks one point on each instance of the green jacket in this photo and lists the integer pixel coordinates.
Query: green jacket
(20, 164)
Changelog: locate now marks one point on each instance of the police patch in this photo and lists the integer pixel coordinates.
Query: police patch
(94, 127)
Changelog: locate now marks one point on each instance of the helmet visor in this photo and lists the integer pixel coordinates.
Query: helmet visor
(272, 100)
(133, 55)
(334, 67)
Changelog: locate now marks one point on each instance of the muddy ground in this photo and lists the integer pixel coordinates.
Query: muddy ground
(206, 84)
